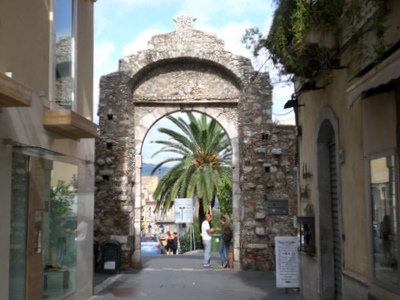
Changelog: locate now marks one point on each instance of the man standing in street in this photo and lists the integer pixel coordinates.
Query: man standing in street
(206, 232)
(226, 241)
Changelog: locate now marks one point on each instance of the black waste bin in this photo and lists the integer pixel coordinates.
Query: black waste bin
(96, 252)
(111, 258)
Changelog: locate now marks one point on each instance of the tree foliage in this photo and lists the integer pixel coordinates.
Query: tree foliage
(224, 194)
(288, 42)
(61, 199)
(203, 159)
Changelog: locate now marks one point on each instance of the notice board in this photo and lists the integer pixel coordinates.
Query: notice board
(287, 262)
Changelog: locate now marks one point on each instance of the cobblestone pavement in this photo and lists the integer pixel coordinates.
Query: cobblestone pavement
(183, 277)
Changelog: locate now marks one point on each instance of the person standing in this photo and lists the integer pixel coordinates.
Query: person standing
(206, 232)
(175, 247)
(226, 242)
(170, 243)
(385, 232)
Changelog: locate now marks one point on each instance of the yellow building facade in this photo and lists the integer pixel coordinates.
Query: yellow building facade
(347, 114)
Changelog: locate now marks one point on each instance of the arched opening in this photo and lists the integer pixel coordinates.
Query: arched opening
(151, 175)
(329, 213)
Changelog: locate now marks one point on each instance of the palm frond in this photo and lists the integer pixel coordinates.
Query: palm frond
(204, 159)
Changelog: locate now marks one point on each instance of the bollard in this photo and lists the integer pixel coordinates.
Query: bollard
(230, 256)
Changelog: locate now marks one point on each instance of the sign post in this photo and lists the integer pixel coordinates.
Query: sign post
(287, 262)
(184, 213)
(183, 210)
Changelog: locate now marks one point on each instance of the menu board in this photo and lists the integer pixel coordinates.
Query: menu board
(287, 262)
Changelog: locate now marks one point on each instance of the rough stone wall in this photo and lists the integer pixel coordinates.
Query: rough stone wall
(268, 172)
(190, 70)
(114, 165)
(188, 81)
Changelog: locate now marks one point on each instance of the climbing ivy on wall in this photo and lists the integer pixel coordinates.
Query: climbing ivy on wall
(288, 44)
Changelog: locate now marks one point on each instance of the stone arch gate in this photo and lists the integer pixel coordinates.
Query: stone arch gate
(189, 70)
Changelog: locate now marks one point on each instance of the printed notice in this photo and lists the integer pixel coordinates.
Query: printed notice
(287, 262)
(109, 265)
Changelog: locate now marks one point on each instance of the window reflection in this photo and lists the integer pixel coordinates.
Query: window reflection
(60, 235)
(43, 224)
(384, 217)
(64, 53)
(18, 226)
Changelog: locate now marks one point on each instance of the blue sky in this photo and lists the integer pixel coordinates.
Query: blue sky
(123, 27)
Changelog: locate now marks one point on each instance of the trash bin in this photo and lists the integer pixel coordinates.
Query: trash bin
(111, 258)
(216, 240)
(96, 252)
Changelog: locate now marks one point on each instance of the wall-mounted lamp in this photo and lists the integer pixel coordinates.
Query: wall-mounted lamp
(306, 173)
(292, 102)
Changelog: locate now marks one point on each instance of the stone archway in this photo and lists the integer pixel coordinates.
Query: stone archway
(227, 118)
(189, 70)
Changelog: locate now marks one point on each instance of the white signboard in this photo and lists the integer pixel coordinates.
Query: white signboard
(109, 265)
(183, 210)
(287, 262)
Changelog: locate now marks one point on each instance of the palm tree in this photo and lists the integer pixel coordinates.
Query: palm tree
(203, 158)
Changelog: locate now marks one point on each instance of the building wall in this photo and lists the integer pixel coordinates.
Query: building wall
(351, 180)
(25, 38)
(363, 126)
(15, 55)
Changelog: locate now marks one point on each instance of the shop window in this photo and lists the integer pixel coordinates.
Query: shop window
(64, 53)
(306, 234)
(384, 227)
(44, 195)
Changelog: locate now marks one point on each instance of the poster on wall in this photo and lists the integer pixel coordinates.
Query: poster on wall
(287, 262)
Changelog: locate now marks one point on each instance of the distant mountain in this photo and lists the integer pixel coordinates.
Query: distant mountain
(147, 168)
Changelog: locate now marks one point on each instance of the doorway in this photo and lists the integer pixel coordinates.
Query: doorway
(43, 221)
(329, 214)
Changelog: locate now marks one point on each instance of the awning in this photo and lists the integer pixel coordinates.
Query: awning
(386, 71)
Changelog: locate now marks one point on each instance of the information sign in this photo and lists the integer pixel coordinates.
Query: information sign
(287, 262)
(183, 210)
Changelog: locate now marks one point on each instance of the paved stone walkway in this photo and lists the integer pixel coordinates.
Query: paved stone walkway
(183, 277)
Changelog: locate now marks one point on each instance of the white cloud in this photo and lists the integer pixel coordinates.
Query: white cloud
(104, 63)
(281, 94)
(230, 34)
(211, 11)
(140, 42)
(102, 53)
(137, 3)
